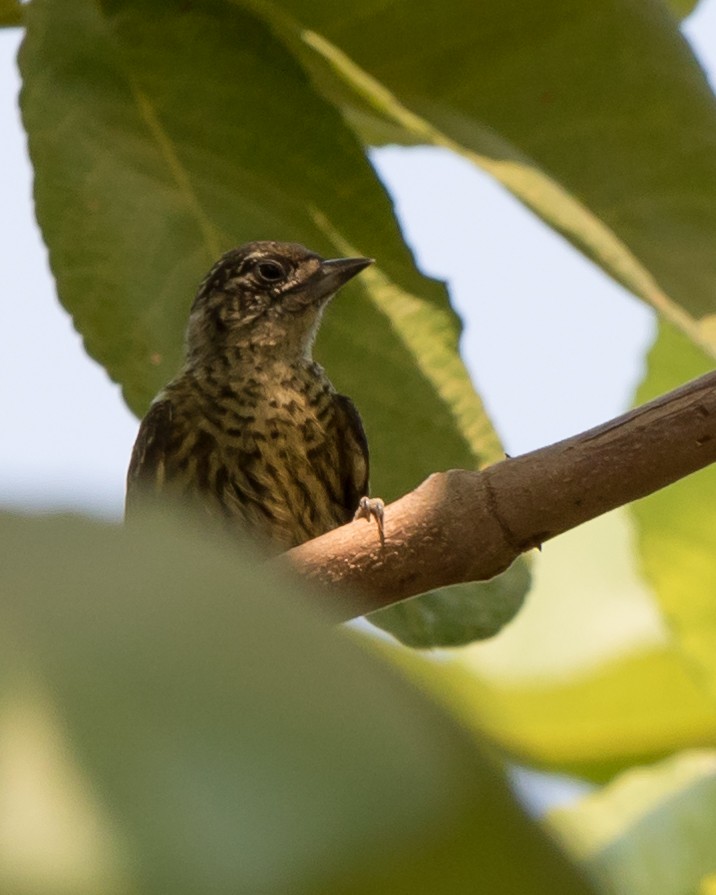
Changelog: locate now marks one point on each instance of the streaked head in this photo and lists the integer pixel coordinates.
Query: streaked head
(266, 295)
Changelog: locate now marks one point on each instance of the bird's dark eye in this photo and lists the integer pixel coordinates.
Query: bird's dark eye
(270, 271)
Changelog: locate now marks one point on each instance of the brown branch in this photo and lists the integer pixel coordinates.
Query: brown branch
(468, 526)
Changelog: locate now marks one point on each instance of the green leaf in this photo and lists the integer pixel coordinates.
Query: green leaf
(10, 13)
(460, 614)
(632, 709)
(587, 680)
(200, 159)
(682, 8)
(651, 831)
(164, 133)
(594, 716)
(220, 737)
(595, 114)
(677, 526)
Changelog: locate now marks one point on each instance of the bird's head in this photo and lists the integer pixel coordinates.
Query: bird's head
(267, 298)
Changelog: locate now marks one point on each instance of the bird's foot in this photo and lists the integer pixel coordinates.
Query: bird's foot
(372, 507)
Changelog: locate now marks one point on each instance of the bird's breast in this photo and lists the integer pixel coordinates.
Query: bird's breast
(278, 456)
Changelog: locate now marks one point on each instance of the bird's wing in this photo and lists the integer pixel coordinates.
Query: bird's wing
(148, 466)
(354, 452)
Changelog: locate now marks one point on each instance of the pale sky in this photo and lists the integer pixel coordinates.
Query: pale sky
(554, 346)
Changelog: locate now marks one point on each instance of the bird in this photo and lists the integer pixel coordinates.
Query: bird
(251, 430)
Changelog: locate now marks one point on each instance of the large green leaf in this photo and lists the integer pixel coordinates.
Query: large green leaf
(682, 8)
(651, 832)
(632, 709)
(594, 113)
(197, 728)
(162, 134)
(10, 13)
(677, 526)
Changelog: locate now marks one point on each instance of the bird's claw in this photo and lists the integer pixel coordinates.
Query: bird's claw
(372, 508)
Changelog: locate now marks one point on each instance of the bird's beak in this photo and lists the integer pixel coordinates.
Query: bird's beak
(335, 273)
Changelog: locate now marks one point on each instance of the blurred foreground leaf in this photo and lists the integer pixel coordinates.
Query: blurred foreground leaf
(651, 831)
(234, 742)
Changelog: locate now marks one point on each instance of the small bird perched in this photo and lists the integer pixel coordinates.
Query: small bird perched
(251, 429)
